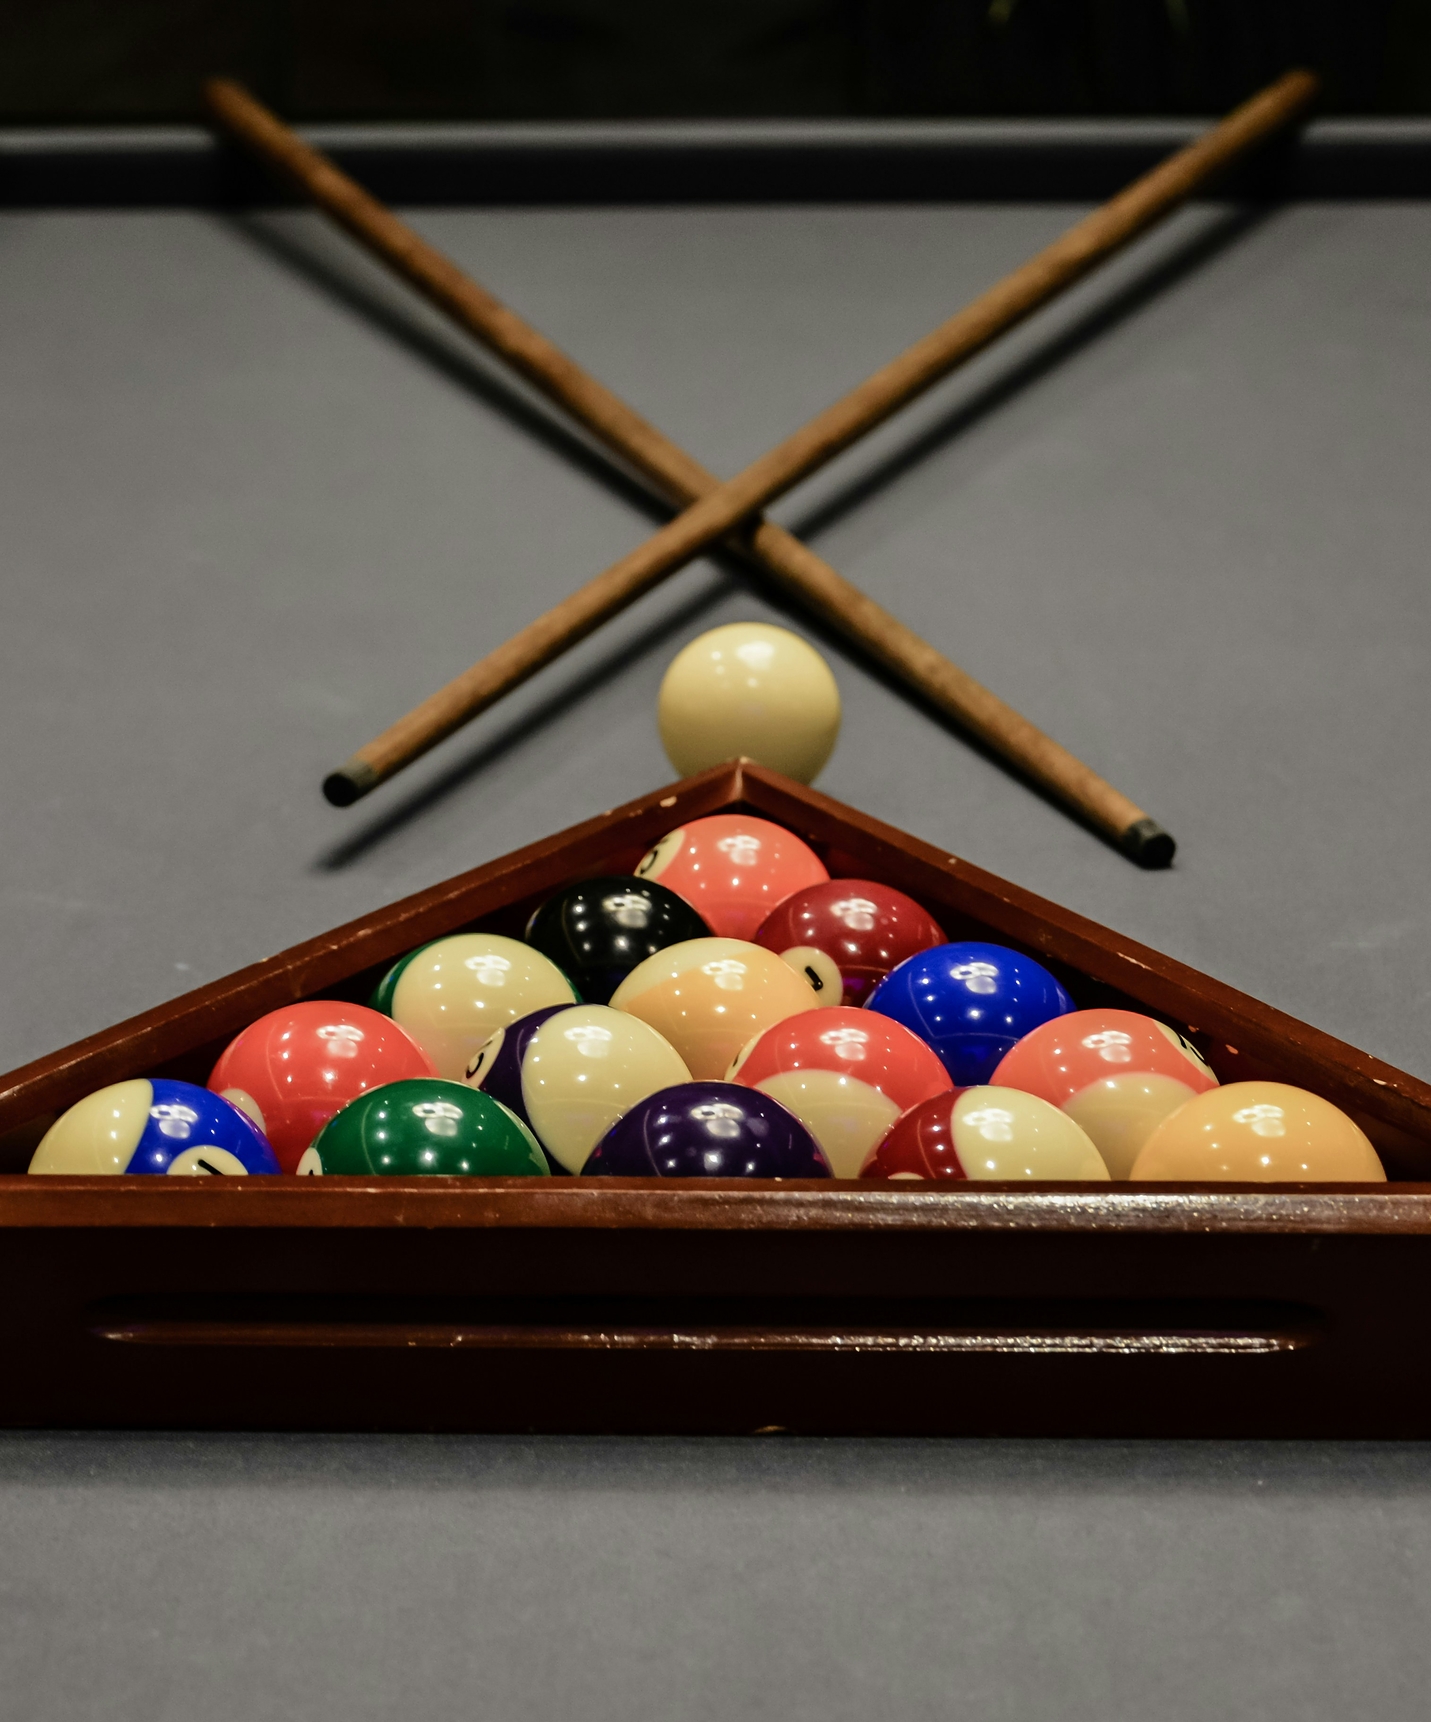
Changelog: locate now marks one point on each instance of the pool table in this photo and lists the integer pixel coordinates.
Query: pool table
(255, 502)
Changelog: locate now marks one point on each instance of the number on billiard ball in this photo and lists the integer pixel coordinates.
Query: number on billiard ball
(733, 869)
(154, 1125)
(571, 1072)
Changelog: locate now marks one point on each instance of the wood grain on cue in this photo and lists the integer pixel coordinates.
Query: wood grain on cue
(719, 510)
(682, 480)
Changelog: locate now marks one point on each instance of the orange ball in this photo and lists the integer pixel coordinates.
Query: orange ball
(1259, 1133)
(708, 997)
(293, 1069)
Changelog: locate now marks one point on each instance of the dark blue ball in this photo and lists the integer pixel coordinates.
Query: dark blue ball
(186, 1123)
(707, 1130)
(496, 1067)
(971, 1003)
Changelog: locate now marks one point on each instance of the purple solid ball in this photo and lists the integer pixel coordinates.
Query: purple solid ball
(707, 1130)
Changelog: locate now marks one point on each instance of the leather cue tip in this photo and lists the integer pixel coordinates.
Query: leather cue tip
(350, 782)
(1148, 844)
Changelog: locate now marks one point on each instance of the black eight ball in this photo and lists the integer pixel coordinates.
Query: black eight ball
(597, 931)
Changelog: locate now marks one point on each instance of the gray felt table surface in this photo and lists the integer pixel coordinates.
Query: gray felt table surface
(254, 503)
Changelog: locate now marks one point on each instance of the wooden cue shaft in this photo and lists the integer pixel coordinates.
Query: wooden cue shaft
(779, 553)
(721, 509)
(718, 512)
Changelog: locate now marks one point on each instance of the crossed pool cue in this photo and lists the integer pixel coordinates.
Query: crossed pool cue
(712, 511)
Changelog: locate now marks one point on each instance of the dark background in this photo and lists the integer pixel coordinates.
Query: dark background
(137, 60)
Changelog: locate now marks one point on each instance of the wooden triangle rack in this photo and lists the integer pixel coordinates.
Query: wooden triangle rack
(650, 1305)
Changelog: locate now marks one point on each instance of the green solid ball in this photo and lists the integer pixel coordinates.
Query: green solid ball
(425, 1126)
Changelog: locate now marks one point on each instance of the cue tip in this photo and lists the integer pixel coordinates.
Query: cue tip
(352, 781)
(1148, 844)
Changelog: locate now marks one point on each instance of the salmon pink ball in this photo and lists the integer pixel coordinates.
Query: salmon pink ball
(733, 869)
(847, 1075)
(293, 1069)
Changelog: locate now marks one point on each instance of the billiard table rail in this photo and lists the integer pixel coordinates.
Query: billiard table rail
(744, 161)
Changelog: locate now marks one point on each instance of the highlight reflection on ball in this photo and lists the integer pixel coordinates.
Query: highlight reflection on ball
(993, 1134)
(451, 994)
(1115, 1072)
(749, 690)
(1259, 1133)
(708, 997)
(570, 1073)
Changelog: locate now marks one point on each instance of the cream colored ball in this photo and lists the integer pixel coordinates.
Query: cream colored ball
(1003, 1133)
(752, 690)
(1259, 1133)
(450, 995)
(582, 1070)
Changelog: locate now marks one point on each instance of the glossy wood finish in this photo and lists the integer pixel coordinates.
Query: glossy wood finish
(559, 1304)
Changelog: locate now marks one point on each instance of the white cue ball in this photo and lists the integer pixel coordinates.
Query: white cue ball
(754, 690)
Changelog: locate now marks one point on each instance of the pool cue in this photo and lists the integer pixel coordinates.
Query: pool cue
(776, 552)
(722, 509)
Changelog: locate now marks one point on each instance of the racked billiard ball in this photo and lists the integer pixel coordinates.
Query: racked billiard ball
(987, 1133)
(846, 935)
(733, 869)
(847, 1075)
(426, 1127)
(707, 1130)
(1259, 1133)
(708, 997)
(971, 1002)
(496, 1066)
(291, 1070)
(451, 994)
(598, 930)
(1115, 1072)
(153, 1124)
(570, 1073)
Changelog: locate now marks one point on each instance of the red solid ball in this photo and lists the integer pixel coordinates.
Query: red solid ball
(847, 1075)
(732, 869)
(849, 932)
(293, 1069)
